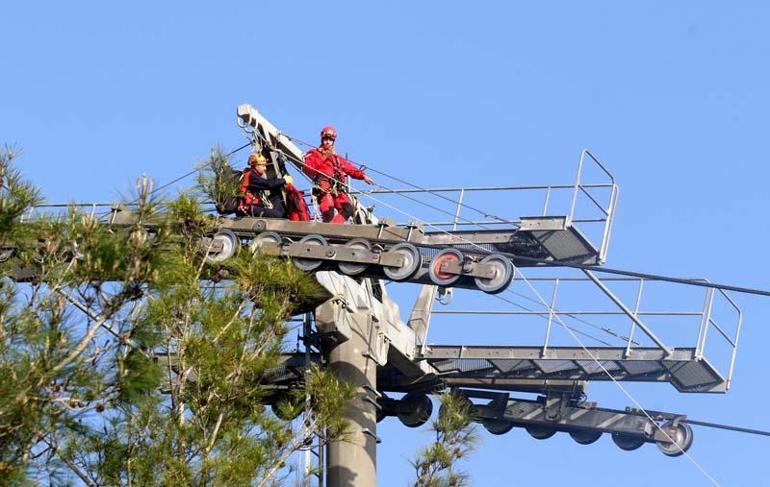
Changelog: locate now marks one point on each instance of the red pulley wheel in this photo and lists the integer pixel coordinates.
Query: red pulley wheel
(442, 278)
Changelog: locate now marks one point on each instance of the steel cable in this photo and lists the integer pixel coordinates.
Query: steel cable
(552, 311)
(301, 164)
(414, 186)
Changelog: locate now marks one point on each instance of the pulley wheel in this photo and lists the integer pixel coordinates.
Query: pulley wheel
(439, 277)
(503, 274)
(264, 237)
(419, 407)
(309, 265)
(540, 432)
(585, 437)
(681, 434)
(230, 246)
(497, 426)
(351, 268)
(627, 442)
(412, 262)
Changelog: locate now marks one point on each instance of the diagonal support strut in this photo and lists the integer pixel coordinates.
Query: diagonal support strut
(628, 312)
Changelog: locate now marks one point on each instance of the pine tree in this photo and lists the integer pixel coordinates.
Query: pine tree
(435, 465)
(127, 359)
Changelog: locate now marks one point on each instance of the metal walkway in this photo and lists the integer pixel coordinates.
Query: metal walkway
(493, 366)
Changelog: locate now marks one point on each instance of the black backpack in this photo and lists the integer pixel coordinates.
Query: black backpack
(230, 181)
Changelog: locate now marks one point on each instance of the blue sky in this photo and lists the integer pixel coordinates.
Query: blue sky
(672, 96)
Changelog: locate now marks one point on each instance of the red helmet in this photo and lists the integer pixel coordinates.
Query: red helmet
(329, 131)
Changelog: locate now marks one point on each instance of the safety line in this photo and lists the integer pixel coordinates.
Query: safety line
(607, 270)
(573, 333)
(159, 188)
(595, 326)
(609, 332)
(617, 383)
(368, 195)
(439, 195)
(552, 310)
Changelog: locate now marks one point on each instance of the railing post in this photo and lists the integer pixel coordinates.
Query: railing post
(577, 185)
(550, 317)
(608, 224)
(636, 313)
(704, 324)
(735, 347)
(547, 200)
(459, 207)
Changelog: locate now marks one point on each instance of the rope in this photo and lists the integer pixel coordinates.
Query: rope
(573, 333)
(414, 186)
(186, 175)
(552, 311)
(620, 386)
(652, 277)
(301, 164)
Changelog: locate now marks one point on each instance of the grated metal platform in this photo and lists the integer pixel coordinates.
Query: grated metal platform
(681, 367)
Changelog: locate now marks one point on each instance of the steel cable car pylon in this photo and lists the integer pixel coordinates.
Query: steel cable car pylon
(359, 333)
(487, 259)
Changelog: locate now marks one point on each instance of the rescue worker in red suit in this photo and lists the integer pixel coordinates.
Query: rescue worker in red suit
(261, 195)
(329, 172)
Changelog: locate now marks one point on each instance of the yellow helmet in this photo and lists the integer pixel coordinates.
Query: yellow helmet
(257, 157)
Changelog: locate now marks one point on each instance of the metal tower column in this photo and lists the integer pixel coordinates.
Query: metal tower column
(353, 461)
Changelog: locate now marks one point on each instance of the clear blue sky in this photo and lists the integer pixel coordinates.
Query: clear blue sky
(673, 96)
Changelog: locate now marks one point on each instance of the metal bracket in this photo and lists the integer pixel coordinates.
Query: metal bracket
(555, 405)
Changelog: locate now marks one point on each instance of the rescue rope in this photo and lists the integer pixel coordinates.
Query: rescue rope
(186, 175)
(607, 270)
(619, 385)
(301, 164)
(552, 311)
(598, 327)
(414, 186)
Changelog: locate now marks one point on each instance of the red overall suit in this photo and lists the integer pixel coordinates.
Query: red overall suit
(329, 171)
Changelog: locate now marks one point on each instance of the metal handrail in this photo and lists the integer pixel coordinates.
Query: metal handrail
(734, 341)
(578, 187)
(609, 211)
(564, 313)
(635, 313)
(526, 187)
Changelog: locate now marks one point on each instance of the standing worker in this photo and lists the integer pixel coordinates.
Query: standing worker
(329, 173)
(260, 194)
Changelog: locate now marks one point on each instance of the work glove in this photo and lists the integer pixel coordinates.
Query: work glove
(288, 179)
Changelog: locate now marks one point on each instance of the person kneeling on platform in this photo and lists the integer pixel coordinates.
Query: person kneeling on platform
(261, 195)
